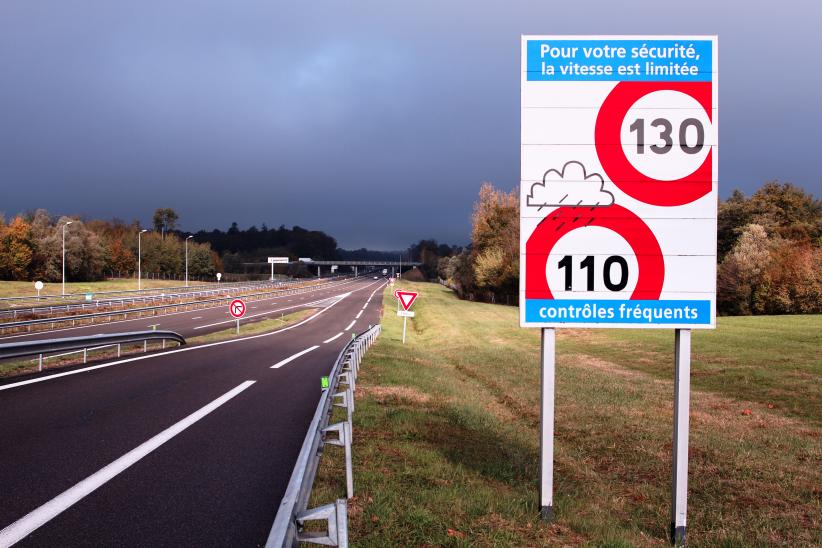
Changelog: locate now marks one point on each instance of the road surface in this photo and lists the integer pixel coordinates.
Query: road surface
(191, 447)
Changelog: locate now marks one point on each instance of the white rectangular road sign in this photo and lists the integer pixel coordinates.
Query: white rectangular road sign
(278, 260)
(405, 313)
(618, 181)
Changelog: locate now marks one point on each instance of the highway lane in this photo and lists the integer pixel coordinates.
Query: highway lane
(195, 322)
(216, 482)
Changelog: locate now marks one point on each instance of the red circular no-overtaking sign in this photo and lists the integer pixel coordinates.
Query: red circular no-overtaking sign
(237, 308)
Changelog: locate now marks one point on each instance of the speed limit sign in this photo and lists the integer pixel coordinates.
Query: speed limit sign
(619, 181)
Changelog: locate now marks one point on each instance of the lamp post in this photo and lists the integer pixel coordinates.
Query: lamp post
(64, 256)
(187, 239)
(139, 258)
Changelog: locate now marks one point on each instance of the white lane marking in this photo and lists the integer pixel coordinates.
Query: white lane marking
(341, 296)
(35, 519)
(210, 308)
(294, 357)
(175, 351)
(350, 325)
(357, 317)
(337, 336)
(196, 317)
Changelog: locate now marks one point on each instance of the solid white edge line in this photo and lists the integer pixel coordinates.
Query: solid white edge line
(357, 317)
(294, 357)
(185, 349)
(350, 325)
(48, 511)
(337, 336)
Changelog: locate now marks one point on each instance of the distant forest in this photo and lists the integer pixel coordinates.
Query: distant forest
(31, 246)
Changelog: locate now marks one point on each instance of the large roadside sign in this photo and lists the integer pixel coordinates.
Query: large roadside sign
(618, 185)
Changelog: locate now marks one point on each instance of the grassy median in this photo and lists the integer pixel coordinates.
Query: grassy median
(446, 449)
(253, 328)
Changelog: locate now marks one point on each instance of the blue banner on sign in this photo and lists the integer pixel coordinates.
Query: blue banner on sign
(620, 60)
(605, 311)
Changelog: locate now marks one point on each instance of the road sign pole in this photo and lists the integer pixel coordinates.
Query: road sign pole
(404, 323)
(682, 389)
(546, 469)
(238, 326)
(272, 272)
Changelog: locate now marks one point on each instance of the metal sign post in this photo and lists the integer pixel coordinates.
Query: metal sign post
(682, 389)
(546, 439)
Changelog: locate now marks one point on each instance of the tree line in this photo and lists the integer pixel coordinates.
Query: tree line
(769, 251)
(31, 248)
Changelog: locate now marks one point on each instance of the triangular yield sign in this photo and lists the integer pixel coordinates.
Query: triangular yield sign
(406, 298)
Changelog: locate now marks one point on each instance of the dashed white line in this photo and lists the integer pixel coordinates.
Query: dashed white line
(337, 336)
(350, 325)
(294, 357)
(196, 317)
(175, 351)
(35, 519)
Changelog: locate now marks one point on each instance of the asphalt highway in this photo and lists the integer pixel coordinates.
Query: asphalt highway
(190, 447)
(198, 322)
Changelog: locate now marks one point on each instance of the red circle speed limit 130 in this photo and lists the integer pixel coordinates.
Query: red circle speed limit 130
(609, 144)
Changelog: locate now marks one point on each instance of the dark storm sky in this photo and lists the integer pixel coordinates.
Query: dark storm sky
(374, 121)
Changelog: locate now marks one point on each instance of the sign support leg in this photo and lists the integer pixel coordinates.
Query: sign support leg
(404, 323)
(238, 326)
(682, 389)
(546, 466)
(272, 272)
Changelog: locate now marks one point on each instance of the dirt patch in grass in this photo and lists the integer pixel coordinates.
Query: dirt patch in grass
(402, 395)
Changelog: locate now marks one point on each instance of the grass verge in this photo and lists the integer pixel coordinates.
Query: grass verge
(18, 289)
(446, 449)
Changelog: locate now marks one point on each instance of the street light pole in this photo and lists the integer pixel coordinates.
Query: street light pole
(187, 239)
(139, 259)
(64, 256)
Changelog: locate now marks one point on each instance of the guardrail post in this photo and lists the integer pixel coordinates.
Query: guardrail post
(40, 362)
(343, 430)
(336, 516)
(145, 346)
(85, 355)
(118, 350)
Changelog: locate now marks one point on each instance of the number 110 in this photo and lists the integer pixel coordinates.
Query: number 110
(587, 264)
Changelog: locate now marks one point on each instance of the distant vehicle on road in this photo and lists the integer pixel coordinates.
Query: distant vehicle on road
(376, 277)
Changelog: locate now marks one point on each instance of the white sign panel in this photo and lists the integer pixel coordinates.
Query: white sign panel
(406, 313)
(619, 170)
(278, 260)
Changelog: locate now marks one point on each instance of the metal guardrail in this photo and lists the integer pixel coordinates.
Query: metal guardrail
(177, 306)
(293, 512)
(70, 345)
(123, 301)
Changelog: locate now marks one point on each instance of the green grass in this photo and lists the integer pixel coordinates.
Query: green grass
(254, 328)
(446, 449)
(26, 289)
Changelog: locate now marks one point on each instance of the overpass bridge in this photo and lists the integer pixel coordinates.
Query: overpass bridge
(356, 266)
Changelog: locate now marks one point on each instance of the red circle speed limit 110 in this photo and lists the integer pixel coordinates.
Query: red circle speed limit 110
(626, 176)
(616, 218)
(237, 308)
